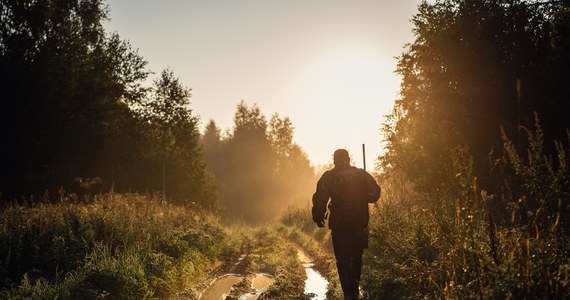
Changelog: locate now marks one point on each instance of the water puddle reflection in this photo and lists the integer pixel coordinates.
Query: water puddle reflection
(316, 284)
(260, 284)
(221, 287)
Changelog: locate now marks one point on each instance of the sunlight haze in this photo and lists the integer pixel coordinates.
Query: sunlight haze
(328, 65)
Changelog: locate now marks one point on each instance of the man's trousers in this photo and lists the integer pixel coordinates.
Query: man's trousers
(348, 247)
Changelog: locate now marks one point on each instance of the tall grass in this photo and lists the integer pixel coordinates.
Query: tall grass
(512, 244)
(119, 246)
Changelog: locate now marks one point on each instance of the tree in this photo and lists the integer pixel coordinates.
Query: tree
(65, 86)
(475, 66)
(174, 141)
(212, 142)
(249, 164)
(281, 134)
(259, 168)
(294, 175)
(74, 107)
(165, 112)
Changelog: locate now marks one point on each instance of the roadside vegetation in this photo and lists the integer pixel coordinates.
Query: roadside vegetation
(127, 246)
(474, 244)
(118, 246)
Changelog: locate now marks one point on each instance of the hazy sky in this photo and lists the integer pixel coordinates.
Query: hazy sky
(327, 64)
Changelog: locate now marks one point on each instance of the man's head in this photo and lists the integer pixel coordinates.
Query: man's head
(341, 158)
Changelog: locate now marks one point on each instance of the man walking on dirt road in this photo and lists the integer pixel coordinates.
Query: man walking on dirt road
(350, 190)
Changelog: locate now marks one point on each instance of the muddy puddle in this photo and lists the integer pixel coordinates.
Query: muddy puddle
(260, 284)
(222, 286)
(316, 284)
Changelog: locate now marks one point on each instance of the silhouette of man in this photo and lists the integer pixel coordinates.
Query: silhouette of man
(350, 190)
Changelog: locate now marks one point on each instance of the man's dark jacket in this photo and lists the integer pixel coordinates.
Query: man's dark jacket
(350, 190)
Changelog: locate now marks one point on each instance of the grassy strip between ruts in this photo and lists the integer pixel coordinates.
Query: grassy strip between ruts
(299, 228)
(268, 252)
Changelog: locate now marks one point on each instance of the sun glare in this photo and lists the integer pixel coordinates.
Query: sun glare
(350, 89)
(345, 74)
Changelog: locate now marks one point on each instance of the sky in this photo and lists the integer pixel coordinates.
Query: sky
(328, 65)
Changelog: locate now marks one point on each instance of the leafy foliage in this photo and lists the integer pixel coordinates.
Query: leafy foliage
(67, 78)
(70, 91)
(476, 66)
(173, 144)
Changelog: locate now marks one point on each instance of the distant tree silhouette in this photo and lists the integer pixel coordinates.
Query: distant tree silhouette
(260, 170)
(249, 163)
(293, 172)
(174, 150)
(213, 144)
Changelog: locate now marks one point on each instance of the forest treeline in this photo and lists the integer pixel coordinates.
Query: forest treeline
(476, 176)
(77, 117)
(76, 114)
(259, 169)
(476, 67)
(481, 81)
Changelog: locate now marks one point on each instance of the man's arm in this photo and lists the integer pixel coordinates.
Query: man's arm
(374, 190)
(320, 200)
